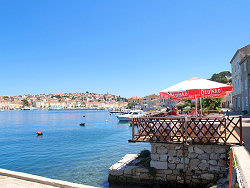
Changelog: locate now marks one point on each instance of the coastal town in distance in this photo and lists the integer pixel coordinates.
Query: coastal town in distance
(80, 101)
(124, 94)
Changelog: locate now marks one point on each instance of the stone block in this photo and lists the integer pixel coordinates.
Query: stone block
(179, 153)
(223, 156)
(141, 170)
(171, 178)
(116, 169)
(223, 169)
(179, 166)
(209, 149)
(178, 146)
(171, 146)
(192, 155)
(220, 150)
(153, 148)
(198, 150)
(203, 156)
(180, 181)
(172, 166)
(159, 164)
(162, 150)
(155, 157)
(172, 153)
(222, 162)
(212, 162)
(207, 176)
(163, 157)
(194, 180)
(214, 168)
(161, 178)
(175, 160)
(214, 156)
(168, 171)
(194, 162)
(176, 172)
(129, 170)
(186, 160)
(190, 149)
(145, 176)
(179, 178)
(203, 166)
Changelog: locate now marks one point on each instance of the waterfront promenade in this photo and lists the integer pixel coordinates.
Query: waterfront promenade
(242, 152)
(12, 179)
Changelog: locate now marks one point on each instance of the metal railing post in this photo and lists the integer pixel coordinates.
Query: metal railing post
(241, 130)
(186, 129)
(133, 129)
(231, 167)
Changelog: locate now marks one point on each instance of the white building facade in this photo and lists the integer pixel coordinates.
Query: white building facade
(239, 68)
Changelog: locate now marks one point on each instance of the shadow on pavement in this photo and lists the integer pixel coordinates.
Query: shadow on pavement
(246, 137)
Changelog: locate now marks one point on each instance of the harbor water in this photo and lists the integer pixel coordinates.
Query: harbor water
(66, 150)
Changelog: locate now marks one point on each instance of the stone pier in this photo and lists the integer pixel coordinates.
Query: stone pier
(192, 165)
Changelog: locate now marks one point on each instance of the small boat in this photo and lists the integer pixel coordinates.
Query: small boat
(82, 124)
(83, 116)
(130, 115)
(39, 133)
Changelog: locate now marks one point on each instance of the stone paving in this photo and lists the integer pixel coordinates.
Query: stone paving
(12, 179)
(245, 128)
(9, 182)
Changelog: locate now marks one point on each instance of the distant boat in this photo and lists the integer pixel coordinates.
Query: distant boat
(82, 124)
(130, 115)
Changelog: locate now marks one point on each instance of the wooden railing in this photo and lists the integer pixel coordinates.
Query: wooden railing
(227, 130)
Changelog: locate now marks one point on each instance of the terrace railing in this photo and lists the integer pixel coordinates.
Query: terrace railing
(226, 130)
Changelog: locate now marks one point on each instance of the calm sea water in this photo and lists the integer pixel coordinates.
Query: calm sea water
(66, 151)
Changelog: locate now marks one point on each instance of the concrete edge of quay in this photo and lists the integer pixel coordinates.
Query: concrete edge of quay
(42, 180)
(243, 164)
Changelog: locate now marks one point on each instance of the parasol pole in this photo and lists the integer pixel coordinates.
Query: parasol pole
(196, 114)
(201, 105)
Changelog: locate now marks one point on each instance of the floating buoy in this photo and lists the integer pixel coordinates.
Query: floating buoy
(82, 124)
(127, 117)
(39, 133)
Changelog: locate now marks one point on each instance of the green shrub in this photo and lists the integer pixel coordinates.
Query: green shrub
(152, 171)
(144, 154)
(244, 111)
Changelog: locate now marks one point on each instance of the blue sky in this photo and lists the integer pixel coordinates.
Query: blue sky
(132, 47)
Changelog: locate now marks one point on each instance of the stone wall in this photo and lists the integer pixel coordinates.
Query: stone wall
(191, 164)
(175, 164)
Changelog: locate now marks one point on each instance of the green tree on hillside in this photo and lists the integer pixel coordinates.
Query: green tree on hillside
(25, 102)
(131, 105)
(222, 77)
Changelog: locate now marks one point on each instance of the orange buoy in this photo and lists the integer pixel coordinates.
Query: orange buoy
(39, 133)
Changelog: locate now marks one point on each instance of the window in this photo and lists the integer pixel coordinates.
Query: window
(245, 66)
(246, 101)
(234, 68)
(245, 83)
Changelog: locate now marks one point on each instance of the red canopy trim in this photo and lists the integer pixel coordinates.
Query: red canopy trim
(198, 93)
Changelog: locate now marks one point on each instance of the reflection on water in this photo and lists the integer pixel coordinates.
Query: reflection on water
(65, 151)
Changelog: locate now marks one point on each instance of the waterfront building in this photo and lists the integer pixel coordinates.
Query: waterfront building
(240, 73)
